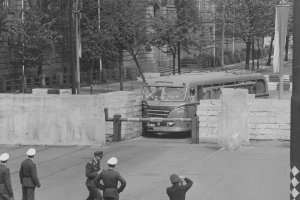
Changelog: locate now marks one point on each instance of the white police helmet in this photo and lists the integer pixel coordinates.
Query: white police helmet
(112, 161)
(31, 152)
(4, 157)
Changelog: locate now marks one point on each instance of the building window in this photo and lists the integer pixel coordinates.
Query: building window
(5, 3)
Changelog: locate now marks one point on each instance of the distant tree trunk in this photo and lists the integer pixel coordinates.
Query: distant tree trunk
(174, 61)
(286, 57)
(270, 51)
(139, 67)
(253, 54)
(248, 48)
(257, 55)
(120, 61)
(179, 66)
(40, 68)
(92, 71)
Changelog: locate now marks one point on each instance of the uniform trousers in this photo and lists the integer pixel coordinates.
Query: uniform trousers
(94, 193)
(111, 198)
(28, 193)
(6, 197)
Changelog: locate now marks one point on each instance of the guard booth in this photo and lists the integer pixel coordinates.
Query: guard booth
(117, 123)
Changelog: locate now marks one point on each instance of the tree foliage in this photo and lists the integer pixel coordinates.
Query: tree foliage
(182, 27)
(31, 38)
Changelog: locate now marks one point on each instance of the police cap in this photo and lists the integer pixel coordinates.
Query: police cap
(174, 178)
(98, 153)
(31, 152)
(112, 161)
(4, 157)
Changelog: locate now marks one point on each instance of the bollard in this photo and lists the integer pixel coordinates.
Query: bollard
(195, 130)
(117, 128)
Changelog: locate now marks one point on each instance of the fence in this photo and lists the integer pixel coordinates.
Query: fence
(64, 80)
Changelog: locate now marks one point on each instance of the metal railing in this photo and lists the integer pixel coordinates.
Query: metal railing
(64, 80)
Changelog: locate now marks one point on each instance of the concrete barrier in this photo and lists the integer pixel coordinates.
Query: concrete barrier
(66, 119)
(52, 120)
(127, 104)
(268, 119)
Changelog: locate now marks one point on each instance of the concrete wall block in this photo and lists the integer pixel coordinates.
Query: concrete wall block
(234, 116)
(208, 124)
(127, 104)
(269, 134)
(270, 126)
(267, 114)
(269, 120)
(209, 113)
(205, 118)
(51, 120)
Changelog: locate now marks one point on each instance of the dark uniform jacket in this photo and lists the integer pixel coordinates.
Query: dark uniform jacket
(110, 179)
(28, 174)
(5, 182)
(91, 171)
(177, 192)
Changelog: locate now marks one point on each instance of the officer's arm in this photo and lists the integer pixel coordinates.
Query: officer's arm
(188, 185)
(168, 192)
(123, 183)
(21, 174)
(89, 172)
(34, 175)
(8, 182)
(97, 182)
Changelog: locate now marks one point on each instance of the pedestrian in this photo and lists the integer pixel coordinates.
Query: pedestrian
(92, 169)
(6, 192)
(179, 187)
(110, 179)
(28, 176)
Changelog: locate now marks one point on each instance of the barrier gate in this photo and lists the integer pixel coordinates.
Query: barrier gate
(117, 123)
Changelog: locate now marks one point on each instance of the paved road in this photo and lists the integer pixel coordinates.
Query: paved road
(258, 172)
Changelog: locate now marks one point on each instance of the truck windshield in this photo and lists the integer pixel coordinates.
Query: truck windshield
(165, 93)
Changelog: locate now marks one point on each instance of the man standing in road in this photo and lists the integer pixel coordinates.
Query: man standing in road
(179, 187)
(92, 169)
(110, 179)
(28, 176)
(6, 192)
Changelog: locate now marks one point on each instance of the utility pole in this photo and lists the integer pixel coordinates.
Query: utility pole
(99, 19)
(23, 66)
(223, 32)
(178, 43)
(78, 44)
(295, 108)
(72, 48)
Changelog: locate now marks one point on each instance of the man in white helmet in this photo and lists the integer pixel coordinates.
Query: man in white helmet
(28, 176)
(6, 192)
(110, 179)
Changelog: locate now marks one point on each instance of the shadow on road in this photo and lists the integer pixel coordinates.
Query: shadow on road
(180, 135)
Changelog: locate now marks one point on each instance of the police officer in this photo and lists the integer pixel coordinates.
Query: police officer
(6, 192)
(92, 169)
(28, 176)
(110, 179)
(180, 185)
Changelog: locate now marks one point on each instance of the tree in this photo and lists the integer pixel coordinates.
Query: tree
(94, 40)
(182, 28)
(247, 18)
(31, 39)
(126, 27)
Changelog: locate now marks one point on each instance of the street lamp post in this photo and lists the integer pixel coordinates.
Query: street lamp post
(295, 108)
